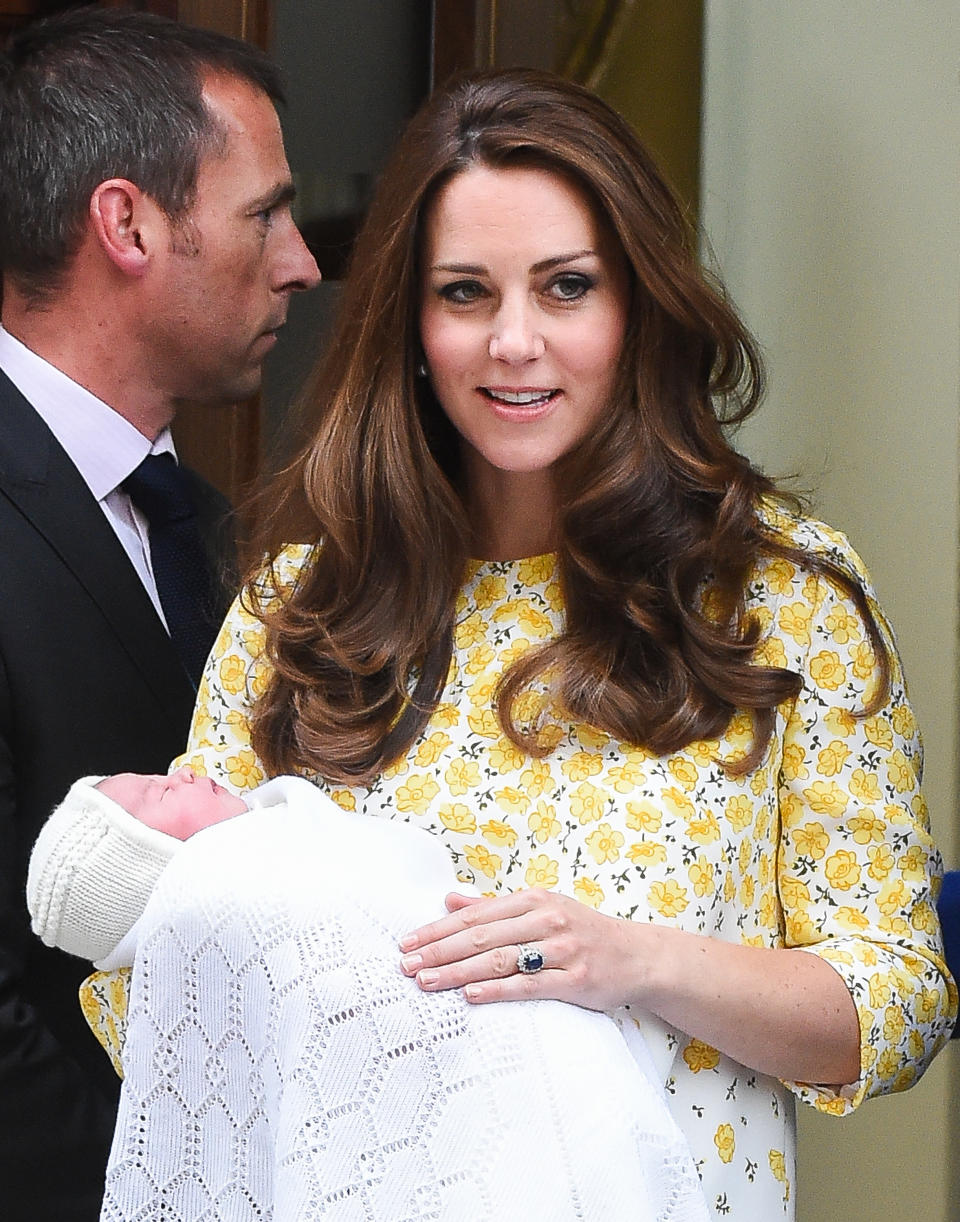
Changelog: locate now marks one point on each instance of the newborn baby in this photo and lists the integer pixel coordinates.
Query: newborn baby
(276, 1054)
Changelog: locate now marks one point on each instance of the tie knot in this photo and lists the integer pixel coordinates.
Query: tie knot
(159, 490)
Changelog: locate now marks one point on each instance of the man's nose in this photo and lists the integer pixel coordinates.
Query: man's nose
(298, 268)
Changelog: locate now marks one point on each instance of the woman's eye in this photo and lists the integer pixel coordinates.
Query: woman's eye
(461, 292)
(571, 286)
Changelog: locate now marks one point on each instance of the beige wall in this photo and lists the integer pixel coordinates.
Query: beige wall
(830, 188)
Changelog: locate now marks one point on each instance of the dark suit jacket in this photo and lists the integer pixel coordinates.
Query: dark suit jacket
(89, 684)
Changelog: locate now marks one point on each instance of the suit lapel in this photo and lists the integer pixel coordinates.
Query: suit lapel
(40, 480)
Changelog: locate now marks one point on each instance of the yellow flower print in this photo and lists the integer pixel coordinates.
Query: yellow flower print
(792, 809)
(254, 641)
(778, 1165)
(879, 990)
(509, 611)
(498, 832)
(924, 919)
(678, 804)
(888, 1063)
(827, 670)
(480, 857)
(683, 771)
(416, 795)
(729, 887)
(481, 690)
(430, 750)
(489, 590)
(758, 782)
(901, 773)
(259, 679)
(892, 898)
(863, 660)
(582, 765)
(826, 798)
(881, 862)
(506, 756)
(647, 853)
(800, 929)
(794, 891)
(743, 856)
(668, 898)
(864, 785)
(536, 778)
(457, 818)
(604, 844)
(516, 649)
(840, 722)
(842, 870)
(478, 659)
(591, 738)
(701, 875)
(543, 823)
(905, 1078)
(740, 729)
(484, 723)
(867, 828)
(344, 798)
(470, 631)
(747, 893)
(533, 620)
(447, 715)
(903, 720)
(769, 911)
(852, 919)
(913, 864)
(831, 759)
(643, 816)
(738, 811)
(512, 800)
(548, 737)
(243, 771)
(724, 1140)
(542, 871)
(554, 596)
(794, 620)
(705, 830)
(811, 840)
(239, 726)
(587, 803)
(771, 653)
(588, 891)
(878, 732)
(699, 1056)
(779, 575)
(536, 570)
(627, 776)
(399, 767)
(704, 751)
(793, 764)
(233, 674)
(915, 1045)
(461, 776)
(842, 626)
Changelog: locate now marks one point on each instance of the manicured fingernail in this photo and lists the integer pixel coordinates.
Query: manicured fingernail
(471, 992)
(426, 979)
(410, 963)
(407, 942)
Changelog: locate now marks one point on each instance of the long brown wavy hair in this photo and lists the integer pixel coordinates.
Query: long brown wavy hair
(655, 504)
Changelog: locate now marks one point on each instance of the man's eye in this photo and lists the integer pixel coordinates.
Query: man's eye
(461, 292)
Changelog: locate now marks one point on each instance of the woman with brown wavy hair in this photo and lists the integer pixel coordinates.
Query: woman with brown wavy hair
(544, 609)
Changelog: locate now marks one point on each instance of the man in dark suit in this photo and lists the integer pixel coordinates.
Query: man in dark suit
(148, 255)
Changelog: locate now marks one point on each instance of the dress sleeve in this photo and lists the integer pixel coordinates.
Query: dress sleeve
(858, 870)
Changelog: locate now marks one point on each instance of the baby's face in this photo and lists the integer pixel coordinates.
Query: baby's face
(179, 804)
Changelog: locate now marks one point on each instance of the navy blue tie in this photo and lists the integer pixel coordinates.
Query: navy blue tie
(181, 570)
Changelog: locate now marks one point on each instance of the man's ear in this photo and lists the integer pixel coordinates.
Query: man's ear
(126, 224)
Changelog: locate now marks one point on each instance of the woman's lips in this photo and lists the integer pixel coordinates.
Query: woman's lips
(521, 403)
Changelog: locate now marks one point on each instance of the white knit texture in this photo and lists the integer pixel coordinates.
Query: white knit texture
(278, 1065)
(91, 872)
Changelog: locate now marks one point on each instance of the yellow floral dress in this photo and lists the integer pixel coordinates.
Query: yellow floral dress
(824, 846)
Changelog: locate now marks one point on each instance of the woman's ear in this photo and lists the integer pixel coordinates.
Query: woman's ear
(124, 222)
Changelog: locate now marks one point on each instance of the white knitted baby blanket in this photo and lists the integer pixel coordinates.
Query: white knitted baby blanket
(278, 1064)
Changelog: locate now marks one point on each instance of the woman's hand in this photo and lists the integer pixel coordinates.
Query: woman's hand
(784, 1012)
(588, 958)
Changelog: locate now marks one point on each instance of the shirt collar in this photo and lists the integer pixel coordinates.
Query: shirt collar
(103, 445)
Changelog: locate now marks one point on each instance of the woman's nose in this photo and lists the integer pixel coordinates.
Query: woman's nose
(515, 338)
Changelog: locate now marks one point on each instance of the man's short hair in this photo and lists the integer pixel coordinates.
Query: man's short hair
(94, 94)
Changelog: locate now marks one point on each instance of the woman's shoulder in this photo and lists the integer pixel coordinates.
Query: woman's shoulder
(279, 574)
(811, 536)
